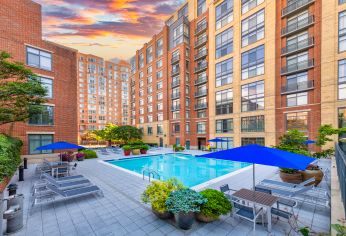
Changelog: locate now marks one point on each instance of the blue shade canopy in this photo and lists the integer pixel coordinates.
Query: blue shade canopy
(309, 141)
(59, 146)
(257, 154)
(215, 140)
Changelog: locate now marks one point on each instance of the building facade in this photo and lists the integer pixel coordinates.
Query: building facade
(103, 95)
(56, 67)
(244, 71)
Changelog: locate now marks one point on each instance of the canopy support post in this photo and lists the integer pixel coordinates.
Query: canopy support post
(253, 176)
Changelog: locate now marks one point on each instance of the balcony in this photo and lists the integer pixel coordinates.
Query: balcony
(175, 83)
(297, 67)
(201, 106)
(201, 54)
(298, 87)
(201, 93)
(175, 72)
(295, 7)
(175, 107)
(201, 80)
(175, 95)
(200, 42)
(201, 28)
(297, 47)
(201, 67)
(298, 26)
(175, 59)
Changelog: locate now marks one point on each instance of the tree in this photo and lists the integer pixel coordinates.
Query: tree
(128, 133)
(20, 91)
(109, 133)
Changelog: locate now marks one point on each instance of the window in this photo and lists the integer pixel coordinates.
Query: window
(201, 114)
(201, 7)
(38, 58)
(224, 126)
(159, 130)
(247, 5)
(187, 128)
(159, 74)
(297, 81)
(48, 85)
(252, 28)
(150, 130)
(176, 115)
(45, 117)
(141, 60)
(293, 61)
(149, 54)
(247, 141)
(224, 13)
(225, 145)
(176, 128)
(297, 120)
(180, 35)
(252, 96)
(252, 124)
(159, 85)
(149, 70)
(183, 11)
(159, 64)
(224, 43)
(252, 63)
(201, 127)
(159, 116)
(37, 140)
(297, 99)
(342, 79)
(224, 72)
(224, 102)
(141, 120)
(159, 96)
(342, 1)
(159, 106)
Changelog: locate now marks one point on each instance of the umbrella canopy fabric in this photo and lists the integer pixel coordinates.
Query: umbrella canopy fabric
(257, 154)
(309, 141)
(59, 146)
(215, 140)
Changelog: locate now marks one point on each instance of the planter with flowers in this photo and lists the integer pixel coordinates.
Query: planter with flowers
(80, 156)
(127, 150)
(144, 148)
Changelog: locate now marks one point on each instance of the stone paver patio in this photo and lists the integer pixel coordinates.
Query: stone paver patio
(120, 211)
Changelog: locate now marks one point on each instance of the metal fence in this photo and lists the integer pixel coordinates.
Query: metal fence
(340, 157)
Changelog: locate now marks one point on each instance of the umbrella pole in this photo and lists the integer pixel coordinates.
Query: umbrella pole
(253, 176)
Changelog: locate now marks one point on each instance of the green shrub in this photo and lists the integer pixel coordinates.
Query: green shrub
(185, 200)
(127, 147)
(136, 144)
(89, 154)
(9, 155)
(144, 147)
(157, 193)
(216, 205)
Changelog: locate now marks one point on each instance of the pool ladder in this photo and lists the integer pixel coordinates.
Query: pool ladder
(151, 172)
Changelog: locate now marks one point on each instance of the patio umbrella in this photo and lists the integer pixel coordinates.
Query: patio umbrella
(59, 146)
(257, 154)
(309, 141)
(216, 140)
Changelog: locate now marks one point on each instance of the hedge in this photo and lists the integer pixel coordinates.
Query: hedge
(9, 155)
(89, 154)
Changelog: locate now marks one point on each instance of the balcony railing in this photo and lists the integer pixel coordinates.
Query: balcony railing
(295, 6)
(297, 26)
(201, 54)
(297, 67)
(201, 67)
(175, 107)
(175, 83)
(175, 59)
(297, 87)
(201, 41)
(175, 72)
(175, 95)
(201, 93)
(201, 80)
(201, 106)
(297, 47)
(201, 28)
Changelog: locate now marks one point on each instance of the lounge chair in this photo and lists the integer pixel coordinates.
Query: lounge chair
(56, 194)
(250, 213)
(71, 178)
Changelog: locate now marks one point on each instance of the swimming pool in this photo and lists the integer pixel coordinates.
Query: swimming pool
(190, 170)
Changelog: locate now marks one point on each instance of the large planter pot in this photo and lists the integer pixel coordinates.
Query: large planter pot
(143, 151)
(136, 151)
(185, 220)
(295, 178)
(206, 219)
(164, 216)
(127, 152)
(308, 174)
(80, 158)
(3, 184)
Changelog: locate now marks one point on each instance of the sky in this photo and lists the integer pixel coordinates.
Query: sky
(106, 28)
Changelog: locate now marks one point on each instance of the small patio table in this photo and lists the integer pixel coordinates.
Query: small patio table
(262, 199)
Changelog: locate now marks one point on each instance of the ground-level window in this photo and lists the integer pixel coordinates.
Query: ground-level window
(37, 140)
(225, 145)
(252, 140)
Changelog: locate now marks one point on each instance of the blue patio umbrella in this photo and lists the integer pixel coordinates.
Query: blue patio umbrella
(59, 146)
(257, 154)
(309, 141)
(215, 140)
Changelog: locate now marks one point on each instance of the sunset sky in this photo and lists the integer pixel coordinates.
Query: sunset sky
(106, 28)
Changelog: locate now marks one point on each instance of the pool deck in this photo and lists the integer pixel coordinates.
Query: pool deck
(120, 211)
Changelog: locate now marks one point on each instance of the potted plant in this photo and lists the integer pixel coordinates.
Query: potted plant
(184, 203)
(216, 206)
(127, 150)
(312, 171)
(136, 150)
(66, 157)
(174, 147)
(80, 156)
(144, 148)
(157, 193)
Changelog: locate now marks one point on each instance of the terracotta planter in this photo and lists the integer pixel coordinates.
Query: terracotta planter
(164, 216)
(4, 183)
(127, 152)
(295, 178)
(185, 220)
(136, 152)
(206, 219)
(143, 151)
(317, 174)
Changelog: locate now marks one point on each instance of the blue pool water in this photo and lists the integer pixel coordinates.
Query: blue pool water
(190, 170)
